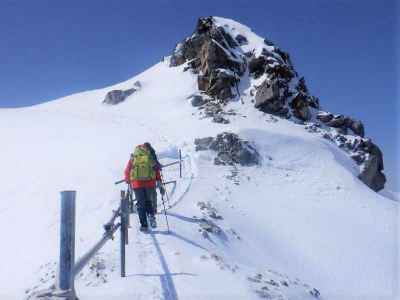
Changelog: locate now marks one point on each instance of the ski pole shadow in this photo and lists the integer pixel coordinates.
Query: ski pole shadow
(178, 236)
(183, 218)
(221, 234)
(167, 282)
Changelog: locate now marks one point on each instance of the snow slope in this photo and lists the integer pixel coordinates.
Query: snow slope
(300, 220)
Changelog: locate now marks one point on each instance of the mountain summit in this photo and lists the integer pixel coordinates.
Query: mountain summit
(225, 55)
(269, 204)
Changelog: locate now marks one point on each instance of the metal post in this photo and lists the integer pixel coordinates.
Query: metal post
(122, 234)
(180, 163)
(67, 244)
(125, 212)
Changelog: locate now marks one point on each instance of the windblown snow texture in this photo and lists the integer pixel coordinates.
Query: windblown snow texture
(298, 224)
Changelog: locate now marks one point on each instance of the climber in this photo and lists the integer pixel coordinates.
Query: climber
(143, 174)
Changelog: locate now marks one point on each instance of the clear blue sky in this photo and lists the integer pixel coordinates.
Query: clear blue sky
(346, 49)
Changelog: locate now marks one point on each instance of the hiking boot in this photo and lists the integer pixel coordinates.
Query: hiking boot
(153, 222)
(144, 229)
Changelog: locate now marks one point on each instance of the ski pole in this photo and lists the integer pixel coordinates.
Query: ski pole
(163, 183)
(119, 181)
(165, 211)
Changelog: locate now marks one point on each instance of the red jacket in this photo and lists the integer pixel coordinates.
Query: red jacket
(137, 184)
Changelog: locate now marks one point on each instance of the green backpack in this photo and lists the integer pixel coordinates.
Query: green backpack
(142, 165)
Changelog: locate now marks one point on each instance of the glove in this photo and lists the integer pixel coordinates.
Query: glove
(161, 188)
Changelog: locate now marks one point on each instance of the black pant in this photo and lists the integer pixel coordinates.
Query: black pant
(144, 203)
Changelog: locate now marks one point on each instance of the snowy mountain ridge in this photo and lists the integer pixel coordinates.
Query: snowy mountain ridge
(298, 224)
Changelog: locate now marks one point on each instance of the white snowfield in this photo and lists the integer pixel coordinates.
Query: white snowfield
(301, 220)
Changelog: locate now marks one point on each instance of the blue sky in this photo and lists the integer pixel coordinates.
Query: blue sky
(345, 49)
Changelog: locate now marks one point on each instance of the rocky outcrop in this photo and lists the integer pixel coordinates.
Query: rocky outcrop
(257, 66)
(300, 107)
(117, 96)
(364, 152)
(210, 52)
(344, 124)
(215, 53)
(269, 100)
(230, 149)
(371, 170)
(220, 84)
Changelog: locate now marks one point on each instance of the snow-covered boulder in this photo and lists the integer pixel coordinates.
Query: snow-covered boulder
(230, 149)
(117, 96)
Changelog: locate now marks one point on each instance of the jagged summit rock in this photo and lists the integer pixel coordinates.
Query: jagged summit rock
(224, 54)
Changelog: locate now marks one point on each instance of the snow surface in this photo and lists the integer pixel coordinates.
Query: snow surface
(301, 220)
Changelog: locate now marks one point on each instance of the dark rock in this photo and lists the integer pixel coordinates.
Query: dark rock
(257, 66)
(283, 55)
(129, 92)
(204, 25)
(299, 106)
(357, 127)
(342, 130)
(313, 102)
(202, 82)
(212, 109)
(281, 71)
(268, 99)
(177, 60)
(223, 158)
(227, 38)
(358, 157)
(117, 96)
(301, 86)
(221, 83)
(371, 148)
(220, 119)
(230, 149)
(197, 100)
(203, 143)
(212, 57)
(242, 40)
(246, 157)
(337, 121)
(208, 51)
(268, 42)
(324, 117)
(371, 175)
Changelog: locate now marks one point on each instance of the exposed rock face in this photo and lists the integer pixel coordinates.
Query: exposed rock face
(341, 122)
(300, 107)
(220, 84)
(366, 154)
(230, 149)
(371, 171)
(357, 127)
(257, 66)
(268, 98)
(220, 56)
(371, 175)
(209, 51)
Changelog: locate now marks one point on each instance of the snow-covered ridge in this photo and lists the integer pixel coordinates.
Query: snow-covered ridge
(299, 225)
